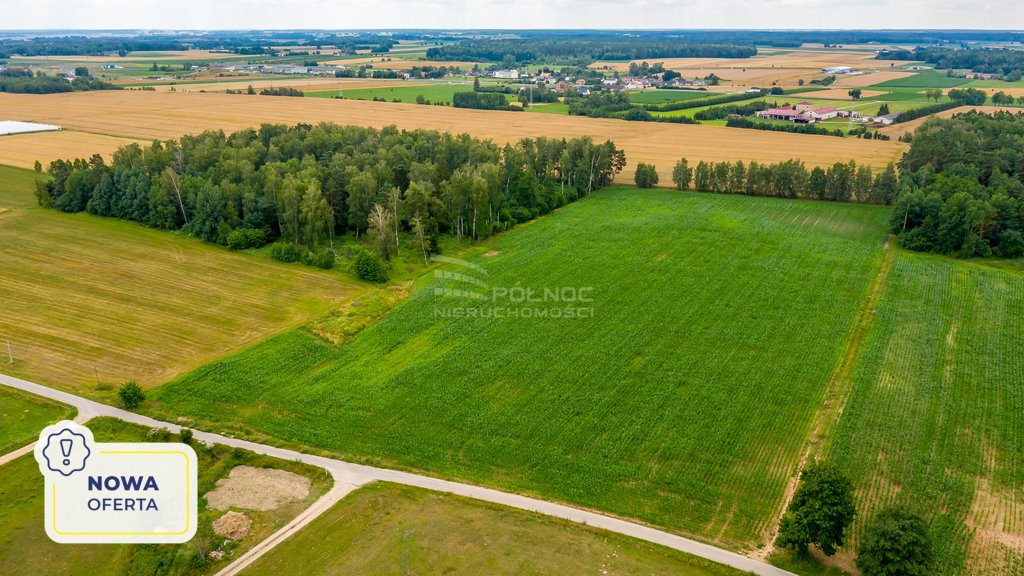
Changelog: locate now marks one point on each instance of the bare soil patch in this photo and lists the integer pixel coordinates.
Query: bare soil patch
(257, 489)
(233, 525)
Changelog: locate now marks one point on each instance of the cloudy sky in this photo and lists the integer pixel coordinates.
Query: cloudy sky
(342, 14)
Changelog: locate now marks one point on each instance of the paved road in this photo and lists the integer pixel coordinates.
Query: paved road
(349, 476)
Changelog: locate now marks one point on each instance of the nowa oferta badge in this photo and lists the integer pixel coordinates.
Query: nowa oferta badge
(116, 492)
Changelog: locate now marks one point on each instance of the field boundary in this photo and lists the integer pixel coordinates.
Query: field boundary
(838, 391)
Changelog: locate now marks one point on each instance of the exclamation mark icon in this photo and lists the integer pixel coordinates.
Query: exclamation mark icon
(65, 448)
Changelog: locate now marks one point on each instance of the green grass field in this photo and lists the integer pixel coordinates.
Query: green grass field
(391, 529)
(25, 549)
(22, 417)
(660, 96)
(89, 299)
(934, 420)
(685, 400)
(407, 94)
(923, 80)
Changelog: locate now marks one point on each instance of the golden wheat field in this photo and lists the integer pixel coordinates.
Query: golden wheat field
(149, 115)
(24, 149)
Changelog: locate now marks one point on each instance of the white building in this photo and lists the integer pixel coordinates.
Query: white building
(838, 70)
(509, 74)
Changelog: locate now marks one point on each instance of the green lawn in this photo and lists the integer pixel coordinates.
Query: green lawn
(684, 401)
(407, 94)
(391, 529)
(22, 416)
(25, 549)
(935, 416)
(923, 80)
(550, 108)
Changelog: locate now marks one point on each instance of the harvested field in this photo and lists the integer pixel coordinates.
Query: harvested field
(257, 489)
(398, 64)
(740, 77)
(869, 79)
(89, 300)
(843, 94)
(793, 59)
(23, 150)
(304, 84)
(1016, 92)
(150, 115)
(897, 130)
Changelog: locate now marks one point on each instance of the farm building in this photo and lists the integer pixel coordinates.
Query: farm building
(801, 113)
(837, 70)
(886, 119)
(510, 74)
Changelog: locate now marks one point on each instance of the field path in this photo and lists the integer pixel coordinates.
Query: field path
(348, 476)
(838, 391)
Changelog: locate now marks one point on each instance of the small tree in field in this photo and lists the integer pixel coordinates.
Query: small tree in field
(646, 175)
(897, 543)
(682, 174)
(855, 93)
(131, 394)
(821, 510)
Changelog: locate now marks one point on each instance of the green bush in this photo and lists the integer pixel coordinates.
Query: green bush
(369, 266)
(646, 175)
(322, 258)
(131, 394)
(242, 238)
(286, 252)
(185, 436)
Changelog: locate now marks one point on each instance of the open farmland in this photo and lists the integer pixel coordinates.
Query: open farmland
(934, 419)
(929, 79)
(407, 93)
(385, 528)
(292, 82)
(869, 79)
(87, 298)
(148, 115)
(724, 309)
(23, 150)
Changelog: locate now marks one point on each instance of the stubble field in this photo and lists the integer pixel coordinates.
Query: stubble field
(88, 298)
(148, 115)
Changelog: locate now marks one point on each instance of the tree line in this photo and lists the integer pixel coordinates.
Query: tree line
(308, 184)
(962, 191)
(841, 182)
(583, 51)
(23, 81)
(1005, 62)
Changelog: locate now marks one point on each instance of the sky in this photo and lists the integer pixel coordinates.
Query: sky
(452, 14)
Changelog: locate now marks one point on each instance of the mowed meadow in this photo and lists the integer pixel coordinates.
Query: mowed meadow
(934, 420)
(86, 299)
(163, 115)
(683, 399)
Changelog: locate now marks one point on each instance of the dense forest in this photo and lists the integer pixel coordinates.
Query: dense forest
(582, 51)
(25, 82)
(307, 184)
(1009, 63)
(962, 191)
